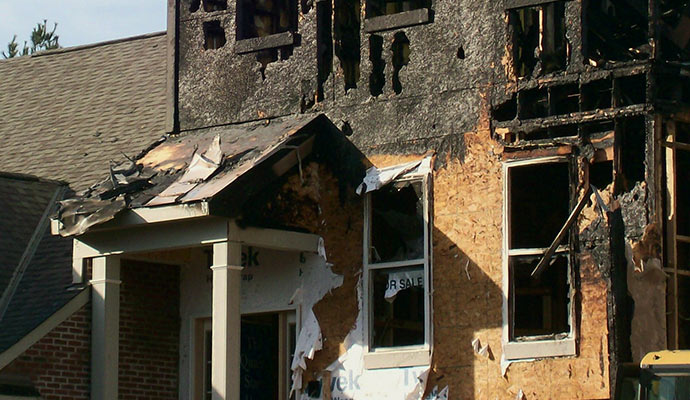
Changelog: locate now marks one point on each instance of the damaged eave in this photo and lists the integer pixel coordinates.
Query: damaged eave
(147, 215)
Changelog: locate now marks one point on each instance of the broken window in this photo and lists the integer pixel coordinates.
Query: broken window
(260, 18)
(615, 30)
(539, 303)
(539, 45)
(267, 345)
(214, 35)
(397, 264)
(376, 8)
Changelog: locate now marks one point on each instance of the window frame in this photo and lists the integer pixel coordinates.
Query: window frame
(244, 45)
(399, 356)
(539, 346)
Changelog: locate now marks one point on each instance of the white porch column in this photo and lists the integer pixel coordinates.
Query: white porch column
(105, 327)
(225, 357)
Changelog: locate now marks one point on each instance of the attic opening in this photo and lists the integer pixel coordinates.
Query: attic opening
(401, 57)
(615, 30)
(214, 35)
(346, 29)
(539, 44)
(538, 197)
(260, 18)
(377, 8)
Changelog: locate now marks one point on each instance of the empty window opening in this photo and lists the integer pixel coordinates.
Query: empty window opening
(324, 44)
(506, 111)
(533, 103)
(631, 133)
(539, 203)
(347, 40)
(615, 30)
(601, 174)
(215, 5)
(396, 265)
(376, 8)
(540, 305)
(194, 6)
(260, 18)
(538, 197)
(401, 57)
(377, 79)
(398, 307)
(564, 99)
(214, 35)
(593, 128)
(538, 39)
(629, 90)
(596, 95)
(674, 25)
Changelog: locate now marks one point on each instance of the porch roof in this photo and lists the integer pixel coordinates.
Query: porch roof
(195, 167)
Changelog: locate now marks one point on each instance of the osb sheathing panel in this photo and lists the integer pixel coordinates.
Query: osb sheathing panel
(467, 296)
(467, 269)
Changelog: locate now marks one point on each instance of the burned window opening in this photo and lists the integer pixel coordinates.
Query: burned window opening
(506, 111)
(377, 8)
(596, 95)
(377, 78)
(564, 99)
(194, 6)
(215, 5)
(539, 44)
(261, 18)
(533, 103)
(601, 174)
(401, 57)
(397, 217)
(538, 197)
(615, 30)
(631, 134)
(629, 90)
(214, 35)
(324, 45)
(674, 24)
(347, 40)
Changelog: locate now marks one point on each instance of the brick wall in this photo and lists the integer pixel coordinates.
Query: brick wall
(149, 331)
(59, 363)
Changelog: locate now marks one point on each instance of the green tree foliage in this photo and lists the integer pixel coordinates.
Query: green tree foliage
(41, 39)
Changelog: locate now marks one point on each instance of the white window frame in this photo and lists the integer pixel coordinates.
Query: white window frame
(402, 356)
(539, 347)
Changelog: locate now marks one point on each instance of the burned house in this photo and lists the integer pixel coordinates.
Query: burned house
(390, 199)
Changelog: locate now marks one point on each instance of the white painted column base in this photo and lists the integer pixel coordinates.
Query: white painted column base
(225, 342)
(105, 327)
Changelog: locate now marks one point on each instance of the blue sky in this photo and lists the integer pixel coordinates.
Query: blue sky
(81, 21)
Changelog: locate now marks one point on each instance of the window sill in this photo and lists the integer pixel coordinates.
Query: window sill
(398, 20)
(397, 358)
(539, 349)
(274, 41)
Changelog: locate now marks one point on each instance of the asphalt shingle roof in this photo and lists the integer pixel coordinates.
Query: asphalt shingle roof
(64, 114)
(44, 285)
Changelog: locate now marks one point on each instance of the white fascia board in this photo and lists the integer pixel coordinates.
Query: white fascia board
(152, 237)
(147, 215)
(44, 328)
